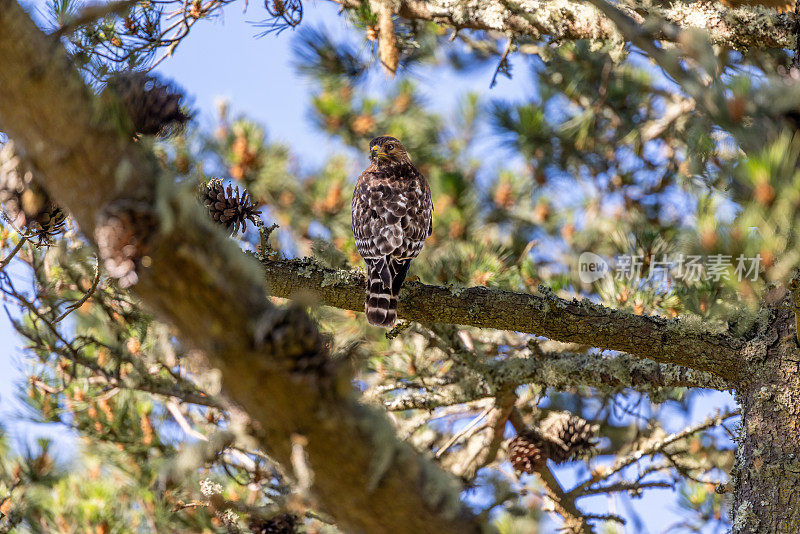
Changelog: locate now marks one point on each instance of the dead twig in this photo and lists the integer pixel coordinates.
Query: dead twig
(466, 430)
(503, 65)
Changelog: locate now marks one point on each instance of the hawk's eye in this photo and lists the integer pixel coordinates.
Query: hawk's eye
(389, 147)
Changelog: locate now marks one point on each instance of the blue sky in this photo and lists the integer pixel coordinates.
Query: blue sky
(223, 59)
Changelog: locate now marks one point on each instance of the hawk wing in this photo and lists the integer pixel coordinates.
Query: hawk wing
(392, 216)
(392, 213)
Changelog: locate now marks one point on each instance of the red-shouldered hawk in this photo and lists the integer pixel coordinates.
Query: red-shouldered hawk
(392, 216)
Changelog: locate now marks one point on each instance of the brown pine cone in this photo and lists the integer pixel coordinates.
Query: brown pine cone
(24, 200)
(292, 334)
(48, 223)
(527, 451)
(572, 436)
(154, 107)
(229, 206)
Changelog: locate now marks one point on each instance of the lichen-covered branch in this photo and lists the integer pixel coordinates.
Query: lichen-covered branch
(559, 370)
(429, 399)
(272, 360)
(606, 373)
(766, 473)
(609, 374)
(563, 503)
(670, 341)
(740, 28)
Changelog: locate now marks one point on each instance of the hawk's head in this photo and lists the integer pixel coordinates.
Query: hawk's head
(387, 150)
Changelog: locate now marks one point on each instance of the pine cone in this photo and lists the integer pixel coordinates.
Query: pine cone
(527, 451)
(123, 232)
(24, 200)
(572, 436)
(49, 223)
(279, 524)
(154, 107)
(291, 333)
(229, 206)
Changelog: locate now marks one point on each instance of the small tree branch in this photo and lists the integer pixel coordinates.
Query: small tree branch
(74, 306)
(10, 255)
(669, 341)
(559, 370)
(625, 485)
(466, 430)
(651, 448)
(608, 374)
(562, 503)
(436, 397)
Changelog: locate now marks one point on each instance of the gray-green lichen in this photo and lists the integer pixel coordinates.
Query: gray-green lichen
(741, 28)
(439, 489)
(337, 278)
(743, 516)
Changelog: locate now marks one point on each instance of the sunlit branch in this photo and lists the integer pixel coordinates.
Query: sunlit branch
(669, 341)
(740, 28)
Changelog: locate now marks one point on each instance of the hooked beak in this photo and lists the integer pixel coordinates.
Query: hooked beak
(374, 152)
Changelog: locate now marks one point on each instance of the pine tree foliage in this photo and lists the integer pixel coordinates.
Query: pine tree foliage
(607, 155)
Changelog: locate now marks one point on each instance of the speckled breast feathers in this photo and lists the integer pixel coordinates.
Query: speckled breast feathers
(392, 216)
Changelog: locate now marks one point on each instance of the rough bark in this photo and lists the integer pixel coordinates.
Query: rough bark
(670, 341)
(213, 295)
(739, 28)
(766, 476)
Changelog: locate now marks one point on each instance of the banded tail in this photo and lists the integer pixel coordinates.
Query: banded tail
(384, 278)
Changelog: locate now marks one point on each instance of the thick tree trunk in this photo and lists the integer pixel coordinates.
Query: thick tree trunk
(199, 281)
(766, 477)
